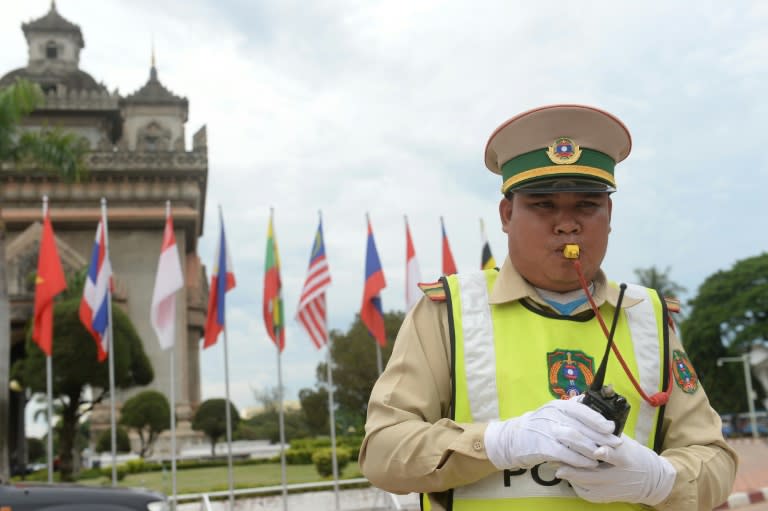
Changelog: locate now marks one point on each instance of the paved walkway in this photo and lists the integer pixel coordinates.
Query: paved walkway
(751, 485)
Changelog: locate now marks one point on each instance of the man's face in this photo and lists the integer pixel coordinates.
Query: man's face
(538, 226)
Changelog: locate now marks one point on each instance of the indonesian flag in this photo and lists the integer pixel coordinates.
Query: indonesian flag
(168, 281)
(412, 272)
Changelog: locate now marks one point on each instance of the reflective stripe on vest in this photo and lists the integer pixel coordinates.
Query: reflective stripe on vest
(510, 375)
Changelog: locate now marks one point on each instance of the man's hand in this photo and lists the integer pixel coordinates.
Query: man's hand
(562, 431)
(631, 473)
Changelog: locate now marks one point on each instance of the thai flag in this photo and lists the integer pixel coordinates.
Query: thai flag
(94, 306)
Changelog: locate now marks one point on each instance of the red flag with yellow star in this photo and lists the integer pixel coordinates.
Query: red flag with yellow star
(49, 283)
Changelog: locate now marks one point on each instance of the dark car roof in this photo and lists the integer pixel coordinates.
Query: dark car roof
(39, 496)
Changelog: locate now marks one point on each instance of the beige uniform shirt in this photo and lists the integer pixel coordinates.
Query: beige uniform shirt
(410, 445)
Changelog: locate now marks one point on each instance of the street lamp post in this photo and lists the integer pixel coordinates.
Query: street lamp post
(744, 359)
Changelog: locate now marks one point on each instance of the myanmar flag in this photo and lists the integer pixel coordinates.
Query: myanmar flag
(274, 319)
(487, 262)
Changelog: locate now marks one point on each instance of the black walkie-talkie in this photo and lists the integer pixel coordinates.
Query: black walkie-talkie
(602, 398)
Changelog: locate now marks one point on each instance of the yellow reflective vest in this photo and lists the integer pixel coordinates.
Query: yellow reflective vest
(511, 358)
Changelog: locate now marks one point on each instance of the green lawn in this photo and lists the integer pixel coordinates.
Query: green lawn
(203, 480)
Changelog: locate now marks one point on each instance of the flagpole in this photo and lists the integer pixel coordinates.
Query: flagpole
(331, 406)
(376, 342)
(378, 357)
(283, 475)
(228, 414)
(332, 416)
(227, 411)
(173, 426)
(49, 385)
(172, 394)
(279, 346)
(111, 347)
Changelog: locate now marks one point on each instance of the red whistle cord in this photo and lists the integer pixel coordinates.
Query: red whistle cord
(657, 399)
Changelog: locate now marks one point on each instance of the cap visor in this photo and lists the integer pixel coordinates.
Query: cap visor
(564, 185)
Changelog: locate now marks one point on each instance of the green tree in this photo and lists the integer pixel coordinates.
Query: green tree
(148, 413)
(353, 355)
(266, 424)
(35, 449)
(211, 419)
(314, 406)
(122, 441)
(728, 315)
(50, 151)
(660, 281)
(77, 367)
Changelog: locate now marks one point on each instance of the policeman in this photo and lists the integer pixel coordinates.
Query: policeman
(480, 404)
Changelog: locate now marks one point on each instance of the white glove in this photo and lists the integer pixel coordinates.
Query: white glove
(631, 473)
(562, 430)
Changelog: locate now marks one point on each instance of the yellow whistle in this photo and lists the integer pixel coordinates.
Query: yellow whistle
(571, 251)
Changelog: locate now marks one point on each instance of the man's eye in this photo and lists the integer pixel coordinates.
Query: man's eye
(543, 204)
(588, 205)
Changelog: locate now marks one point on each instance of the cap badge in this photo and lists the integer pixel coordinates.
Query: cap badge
(564, 151)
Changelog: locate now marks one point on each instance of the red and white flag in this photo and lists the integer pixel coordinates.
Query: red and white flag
(168, 281)
(412, 272)
(312, 313)
(449, 265)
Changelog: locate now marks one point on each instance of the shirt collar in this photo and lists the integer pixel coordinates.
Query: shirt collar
(511, 286)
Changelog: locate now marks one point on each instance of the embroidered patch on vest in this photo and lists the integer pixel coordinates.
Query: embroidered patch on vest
(570, 372)
(685, 375)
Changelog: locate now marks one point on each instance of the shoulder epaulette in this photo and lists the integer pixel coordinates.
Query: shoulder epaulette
(673, 304)
(433, 290)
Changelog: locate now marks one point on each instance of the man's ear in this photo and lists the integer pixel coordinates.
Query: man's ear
(610, 211)
(505, 211)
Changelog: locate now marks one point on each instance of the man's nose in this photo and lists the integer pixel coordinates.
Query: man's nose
(567, 225)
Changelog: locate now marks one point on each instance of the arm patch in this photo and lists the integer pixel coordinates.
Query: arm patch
(433, 290)
(673, 304)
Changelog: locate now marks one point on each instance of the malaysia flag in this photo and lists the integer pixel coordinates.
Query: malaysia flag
(94, 306)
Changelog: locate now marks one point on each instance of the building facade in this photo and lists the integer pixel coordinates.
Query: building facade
(137, 161)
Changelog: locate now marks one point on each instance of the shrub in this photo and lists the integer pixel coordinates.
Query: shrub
(121, 472)
(135, 466)
(323, 460)
(310, 443)
(351, 442)
(298, 456)
(104, 443)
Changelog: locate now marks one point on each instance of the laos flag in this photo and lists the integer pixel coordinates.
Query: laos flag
(371, 312)
(94, 306)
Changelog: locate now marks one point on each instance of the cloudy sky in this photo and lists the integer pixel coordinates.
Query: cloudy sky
(384, 107)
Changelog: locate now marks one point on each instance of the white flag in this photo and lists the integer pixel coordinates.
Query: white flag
(168, 281)
(412, 273)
